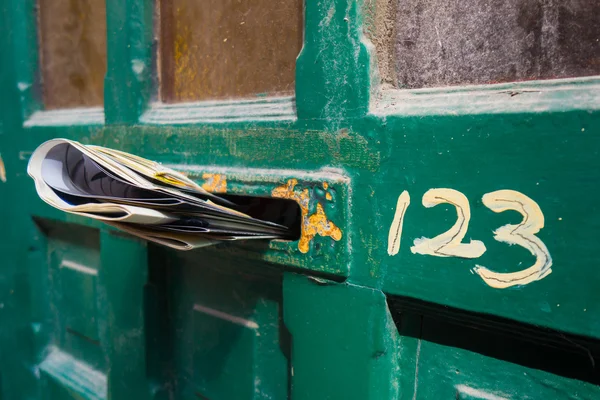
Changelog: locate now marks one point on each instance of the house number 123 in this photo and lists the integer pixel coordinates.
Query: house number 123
(449, 243)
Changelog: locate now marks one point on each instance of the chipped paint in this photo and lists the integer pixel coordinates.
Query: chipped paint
(24, 155)
(214, 183)
(328, 195)
(477, 393)
(314, 224)
(75, 266)
(2, 170)
(317, 224)
(225, 316)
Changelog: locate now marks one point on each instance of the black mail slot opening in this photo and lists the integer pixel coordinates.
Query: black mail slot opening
(280, 211)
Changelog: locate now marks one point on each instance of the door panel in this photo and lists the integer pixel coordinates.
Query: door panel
(226, 330)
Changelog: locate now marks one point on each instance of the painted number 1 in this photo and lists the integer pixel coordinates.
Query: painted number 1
(449, 243)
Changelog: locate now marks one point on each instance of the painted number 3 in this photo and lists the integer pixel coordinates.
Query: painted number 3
(449, 243)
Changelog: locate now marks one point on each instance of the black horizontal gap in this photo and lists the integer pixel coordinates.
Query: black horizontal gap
(519, 343)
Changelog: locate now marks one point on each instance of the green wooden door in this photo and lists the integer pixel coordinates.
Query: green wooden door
(449, 220)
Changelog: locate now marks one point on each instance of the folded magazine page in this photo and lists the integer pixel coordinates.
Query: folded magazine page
(139, 196)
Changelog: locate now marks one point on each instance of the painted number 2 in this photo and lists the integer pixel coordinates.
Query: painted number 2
(449, 243)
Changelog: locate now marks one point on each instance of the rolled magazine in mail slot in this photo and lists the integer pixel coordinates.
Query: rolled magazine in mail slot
(141, 197)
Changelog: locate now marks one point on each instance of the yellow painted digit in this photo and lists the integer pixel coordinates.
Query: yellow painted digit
(448, 244)
(395, 234)
(522, 235)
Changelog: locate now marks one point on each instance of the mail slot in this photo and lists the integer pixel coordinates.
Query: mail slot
(321, 219)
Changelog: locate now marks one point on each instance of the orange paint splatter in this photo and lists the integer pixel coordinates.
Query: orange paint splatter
(328, 195)
(214, 183)
(313, 225)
